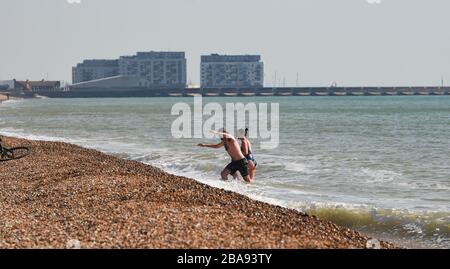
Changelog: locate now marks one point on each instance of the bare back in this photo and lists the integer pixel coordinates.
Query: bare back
(233, 149)
(246, 147)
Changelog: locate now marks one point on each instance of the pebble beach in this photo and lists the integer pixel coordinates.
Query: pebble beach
(66, 196)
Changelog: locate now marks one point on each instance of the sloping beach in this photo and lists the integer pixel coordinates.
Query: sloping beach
(3, 98)
(63, 192)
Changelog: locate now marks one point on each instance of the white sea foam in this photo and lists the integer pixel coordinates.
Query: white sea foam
(297, 167)
(11, 102)
(379, 176)
(21, 133)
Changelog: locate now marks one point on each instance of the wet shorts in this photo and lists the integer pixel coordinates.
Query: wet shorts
(250, 157)
(241, 166)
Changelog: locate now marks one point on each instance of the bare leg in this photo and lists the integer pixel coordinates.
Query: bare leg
(253, 173)
(247, 179)
(251, 169)
(224, 174)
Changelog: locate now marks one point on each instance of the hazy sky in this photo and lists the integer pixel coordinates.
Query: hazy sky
(352, 42)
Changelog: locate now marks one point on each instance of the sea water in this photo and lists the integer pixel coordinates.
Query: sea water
(380, 164)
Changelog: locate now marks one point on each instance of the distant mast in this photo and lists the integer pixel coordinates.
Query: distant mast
(442, 81)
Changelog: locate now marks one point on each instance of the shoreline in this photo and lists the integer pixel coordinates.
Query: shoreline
(107, 202)
(3, 98)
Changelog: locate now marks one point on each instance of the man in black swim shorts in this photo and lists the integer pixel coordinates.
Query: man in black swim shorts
(238, 160)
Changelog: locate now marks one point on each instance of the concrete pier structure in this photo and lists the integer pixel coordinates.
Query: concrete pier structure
(248, 92)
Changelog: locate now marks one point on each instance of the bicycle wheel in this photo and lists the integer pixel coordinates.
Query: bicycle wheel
(14, 153)
(6, 155)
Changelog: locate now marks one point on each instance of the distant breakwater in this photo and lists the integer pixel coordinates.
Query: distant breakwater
(266, 91)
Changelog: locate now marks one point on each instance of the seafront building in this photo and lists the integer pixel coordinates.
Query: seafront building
(143, 70)
(7, 84)
(155, 69)
(25, 87)
(94, 69)
(236, 71)
(37, 86)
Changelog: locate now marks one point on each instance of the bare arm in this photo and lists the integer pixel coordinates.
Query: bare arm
(214, 146)
(225, 135)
